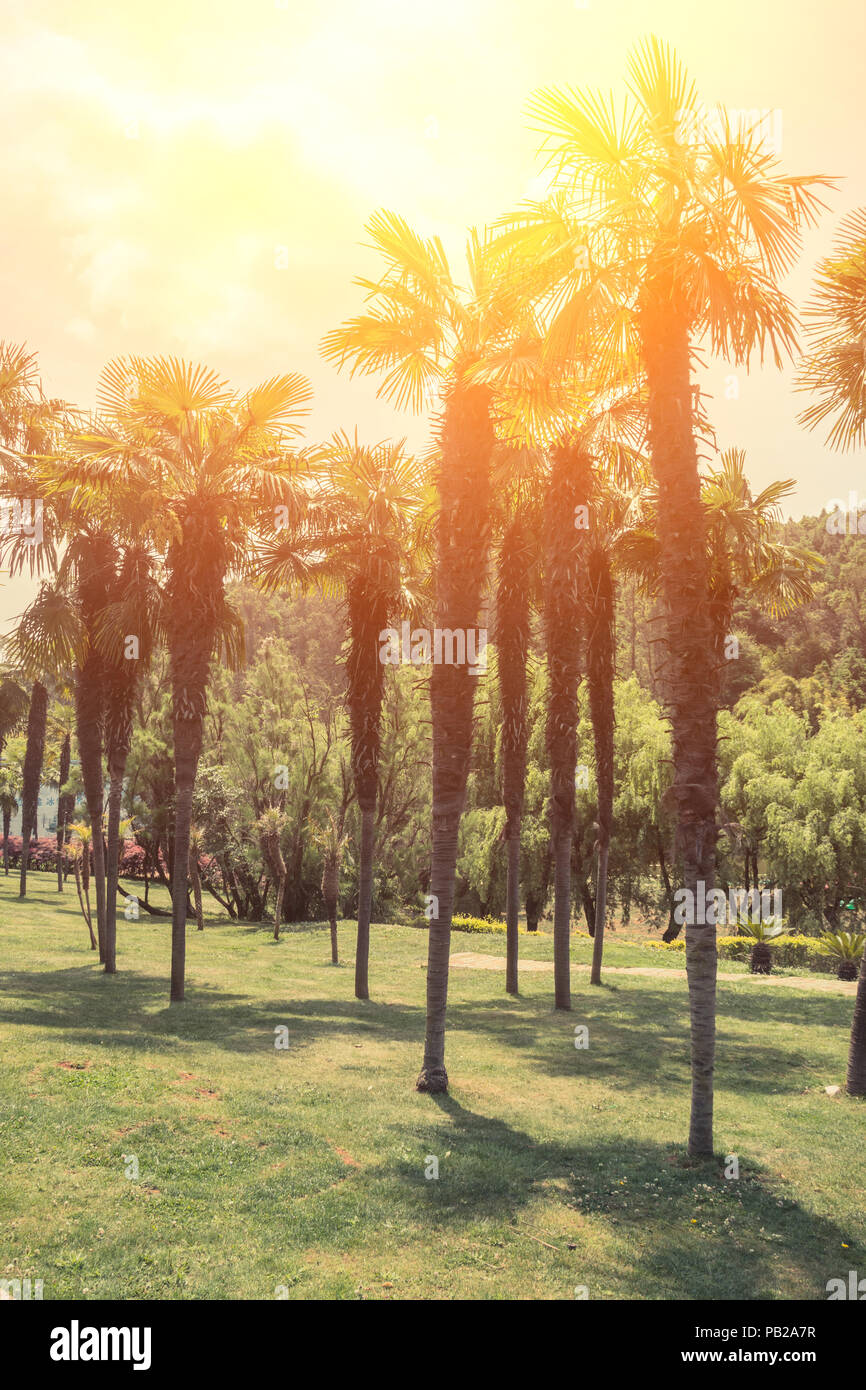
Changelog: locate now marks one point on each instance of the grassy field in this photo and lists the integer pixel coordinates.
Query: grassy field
(300, 1172)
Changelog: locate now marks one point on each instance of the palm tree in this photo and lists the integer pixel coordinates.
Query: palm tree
(370, 500)
(568, 492)
(835, 371)
(422, 332)
(681, 241)
(206, 468)
(834, 368)
(125, 635)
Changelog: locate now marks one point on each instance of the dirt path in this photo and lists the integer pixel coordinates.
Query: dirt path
(472, 960)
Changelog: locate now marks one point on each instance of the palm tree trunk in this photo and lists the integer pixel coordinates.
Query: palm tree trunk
(690, 664)
(463, 531)
(562, 920)
(600, 906)
(365, 904)
(512, 643)
(88, 718)
(335, 952)
(512, 911)
(62, 807)
(196, 892)
(433, 1076)
(856, 1079)
(7, 816)
(600, 668)
(569, 487)
(117, 768)
(32, 773)
(370, 601)
(187, 747)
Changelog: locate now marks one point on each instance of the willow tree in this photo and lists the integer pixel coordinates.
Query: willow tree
(423, 335)
(210, 469)
(680, 230)
(834, 371)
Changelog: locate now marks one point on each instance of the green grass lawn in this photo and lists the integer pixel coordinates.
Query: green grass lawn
(303, 1169)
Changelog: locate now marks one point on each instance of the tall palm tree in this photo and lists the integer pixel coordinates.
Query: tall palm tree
(208, 469)
(369, 501)
(835, 371)
(422, 332)
(126, 630)
(681, 241)
(568, 492)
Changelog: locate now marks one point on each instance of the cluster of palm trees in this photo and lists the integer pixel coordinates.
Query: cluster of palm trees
(566, 454)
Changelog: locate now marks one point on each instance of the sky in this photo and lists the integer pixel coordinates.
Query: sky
(192, 177)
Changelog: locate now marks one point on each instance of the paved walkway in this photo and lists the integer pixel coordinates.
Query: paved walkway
(473, 960)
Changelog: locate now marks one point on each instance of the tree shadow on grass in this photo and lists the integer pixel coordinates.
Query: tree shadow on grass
(640, 1036)
(131, 1010)
(637, 1037)
(682, 1230)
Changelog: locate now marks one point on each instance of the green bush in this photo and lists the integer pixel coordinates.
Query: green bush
(477, 924)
